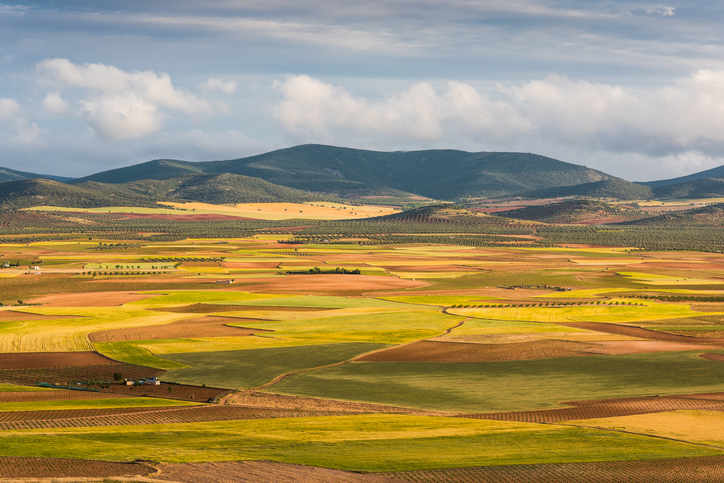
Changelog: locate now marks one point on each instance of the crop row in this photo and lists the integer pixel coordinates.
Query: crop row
(168, 416)
(678, 470)
(605, 409)
(12, 467)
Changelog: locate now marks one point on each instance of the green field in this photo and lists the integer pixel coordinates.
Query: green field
(509, 386)
(254, 367)
(362, 443)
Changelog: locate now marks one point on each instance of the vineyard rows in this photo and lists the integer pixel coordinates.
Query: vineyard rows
(604, 409)
(163, 416)
(678, 470)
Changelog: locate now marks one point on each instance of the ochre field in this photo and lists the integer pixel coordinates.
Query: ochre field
(455, 363)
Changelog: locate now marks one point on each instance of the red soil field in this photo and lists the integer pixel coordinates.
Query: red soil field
(90, 299)
(213, 308)
(434, 351)
(33, 360)
(338, 282)
(708, 469)
(195, 414)
(208, 326)
(259, 471)
(642, 333)
(617, 347)
(20, 467)
(713, 357)
(12, 315)
(607, 408)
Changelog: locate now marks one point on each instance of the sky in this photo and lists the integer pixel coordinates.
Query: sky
(633, 89)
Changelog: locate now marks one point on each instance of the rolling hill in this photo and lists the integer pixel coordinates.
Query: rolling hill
(717, 172)
(614, 188)
(7, 174)
(698, 188)
(576, 211)
(437, 174)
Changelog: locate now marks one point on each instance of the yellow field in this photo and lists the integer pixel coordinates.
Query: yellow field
(696, 426)
(653, 279)
(590, 313)
(286, 211)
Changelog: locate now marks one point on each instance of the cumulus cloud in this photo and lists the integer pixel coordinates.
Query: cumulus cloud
(16, 129)
(422, 112)
(685, 117)
(55, 104)
(119, 104)
(219, 85)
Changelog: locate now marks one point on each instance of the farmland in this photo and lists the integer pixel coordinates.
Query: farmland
(466, 348)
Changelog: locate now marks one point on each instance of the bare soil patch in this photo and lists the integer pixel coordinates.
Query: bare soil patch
(339, 282)
(213, 308)
(713, 357)
(259, 471)
(22, 467)
(617, 347)
(33, 360)
(91, 299)
(12, 315)
(709, 469)
(200, 264)
(607, 408)
(283, 401)
(642, 333)
(208, 326)
(434, 351)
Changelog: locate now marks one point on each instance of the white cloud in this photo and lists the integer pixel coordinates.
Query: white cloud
(662, 10)
(16, 129)
(219, 84)
(122, 117)
(119, 104)
(55, 104)
(685, 117)
(312, 107)
(13, 9)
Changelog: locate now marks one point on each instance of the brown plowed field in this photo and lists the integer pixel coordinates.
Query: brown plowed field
(34, 360)
(339, 282)
(434, 351)
(208, 326)
(90, 299)
(54, 395)
(320, 293)
(20, 467)
(642, 333)
(197, 414)
(212, 308)
(617, 347)
(713, 357)
(12, 315)
(708, 469)
(259, 471)
(283, 401)
(606, 408)
(70, 375)
(53, 415)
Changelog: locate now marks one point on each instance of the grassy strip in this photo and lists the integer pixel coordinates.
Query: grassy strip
(365, 442)
(509, 386)
(13, 388)
(130, 353)
(251, 368)
(93, 404)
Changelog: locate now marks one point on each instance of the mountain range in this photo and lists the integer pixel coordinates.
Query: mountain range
(311, 171)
